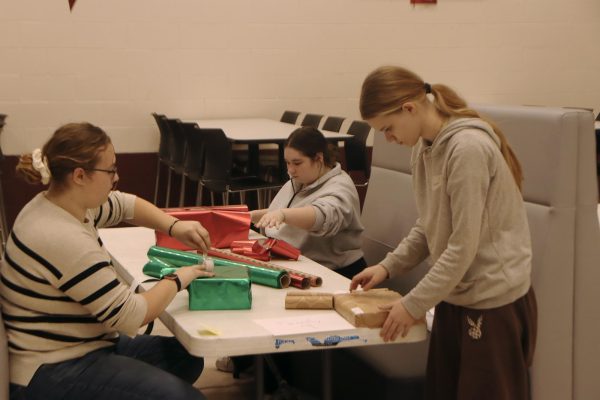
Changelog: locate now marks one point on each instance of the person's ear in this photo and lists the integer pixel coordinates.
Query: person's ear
(409, 107)
(78, 176)
(319, 157)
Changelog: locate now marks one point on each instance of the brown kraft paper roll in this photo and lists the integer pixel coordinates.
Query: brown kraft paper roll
(309, 300)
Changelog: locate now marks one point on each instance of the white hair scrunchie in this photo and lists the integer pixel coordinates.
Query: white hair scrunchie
(41, 165)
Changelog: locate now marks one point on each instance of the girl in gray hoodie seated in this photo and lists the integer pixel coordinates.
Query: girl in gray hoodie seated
(473, 227)
(318, 209)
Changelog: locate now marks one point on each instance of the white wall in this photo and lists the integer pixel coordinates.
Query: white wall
(112, 62)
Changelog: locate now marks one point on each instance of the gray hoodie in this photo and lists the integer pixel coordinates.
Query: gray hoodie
(335, 238)
(472, 223)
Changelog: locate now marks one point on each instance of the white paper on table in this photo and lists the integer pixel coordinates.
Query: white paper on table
(305, 324)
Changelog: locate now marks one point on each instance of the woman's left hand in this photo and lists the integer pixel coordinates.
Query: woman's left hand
(272, 219)
(192, 234)
(399, 321)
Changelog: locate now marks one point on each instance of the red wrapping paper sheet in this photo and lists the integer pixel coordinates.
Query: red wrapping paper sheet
(251, 248)
(225, 224)
(263, 249)
(284, 249)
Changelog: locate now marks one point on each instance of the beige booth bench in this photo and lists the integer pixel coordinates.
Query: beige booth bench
(556, 147)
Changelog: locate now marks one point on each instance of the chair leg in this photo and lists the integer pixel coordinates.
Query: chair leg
(212, 198)
(225, 197)
(242, 197)
(156, 183)
(182, 191)
(168, 188)
(199, 191)
(260, 199)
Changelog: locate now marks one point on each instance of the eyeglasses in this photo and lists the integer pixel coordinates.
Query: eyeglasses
(112, 172)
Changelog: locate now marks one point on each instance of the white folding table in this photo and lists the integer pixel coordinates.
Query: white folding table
(241, 332)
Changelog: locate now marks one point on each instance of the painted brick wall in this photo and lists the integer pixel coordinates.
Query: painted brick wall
(113, 62)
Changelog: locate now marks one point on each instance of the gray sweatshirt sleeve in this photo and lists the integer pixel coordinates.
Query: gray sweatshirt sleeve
(468, 180)
(409, 253)
(334, 210)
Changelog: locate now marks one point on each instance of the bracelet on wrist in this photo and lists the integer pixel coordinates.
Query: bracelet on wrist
(172, 225)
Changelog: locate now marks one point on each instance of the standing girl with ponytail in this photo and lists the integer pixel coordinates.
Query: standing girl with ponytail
(473, 227)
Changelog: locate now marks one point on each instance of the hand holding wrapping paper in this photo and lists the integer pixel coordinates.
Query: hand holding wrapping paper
(191, 234)
(224, 224)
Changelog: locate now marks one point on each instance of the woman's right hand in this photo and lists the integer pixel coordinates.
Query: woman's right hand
(271, 219)
(369, 277)
(188, 274)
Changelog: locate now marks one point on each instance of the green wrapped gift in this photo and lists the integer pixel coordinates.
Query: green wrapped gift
(157, 268)
(229, 289)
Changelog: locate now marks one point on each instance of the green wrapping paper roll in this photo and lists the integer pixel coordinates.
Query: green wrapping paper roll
(157, 268)
(267, 277)
(176, 258)
(229, 289)
(262, 276)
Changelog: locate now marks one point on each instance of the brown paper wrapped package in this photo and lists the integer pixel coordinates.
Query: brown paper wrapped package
(361, 309)
(310, 300)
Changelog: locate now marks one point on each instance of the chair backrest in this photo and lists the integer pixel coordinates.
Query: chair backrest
(163, 130)
(333, 124)
(312, 120)
(193, 164)
(556, 149)
(176, 143)
(216, 173)
(290, 117)
(356, 148)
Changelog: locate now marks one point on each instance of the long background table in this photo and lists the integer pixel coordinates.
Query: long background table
(237, 332)
(256, 131)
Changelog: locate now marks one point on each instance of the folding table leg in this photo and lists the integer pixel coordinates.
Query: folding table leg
(259, 376)
(326, 371)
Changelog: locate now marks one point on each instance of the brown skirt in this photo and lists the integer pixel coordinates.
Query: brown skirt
(482, 354)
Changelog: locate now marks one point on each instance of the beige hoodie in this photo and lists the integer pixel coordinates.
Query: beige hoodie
(472, 223)
(334, 240)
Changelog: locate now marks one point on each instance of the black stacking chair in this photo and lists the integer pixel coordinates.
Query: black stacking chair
(290, 117)
(357, 163)
(193, 164)
(163, 151)
(312, 120)
(333, 124)
(176, 156)
(216, 172)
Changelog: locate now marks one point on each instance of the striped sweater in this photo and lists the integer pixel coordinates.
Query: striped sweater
(61, 297)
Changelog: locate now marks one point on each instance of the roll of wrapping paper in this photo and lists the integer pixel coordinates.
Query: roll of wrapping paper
(176, 258)
(309, 300)
(157, 268)
(262, 276)
(298, 281)
(314, 280)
